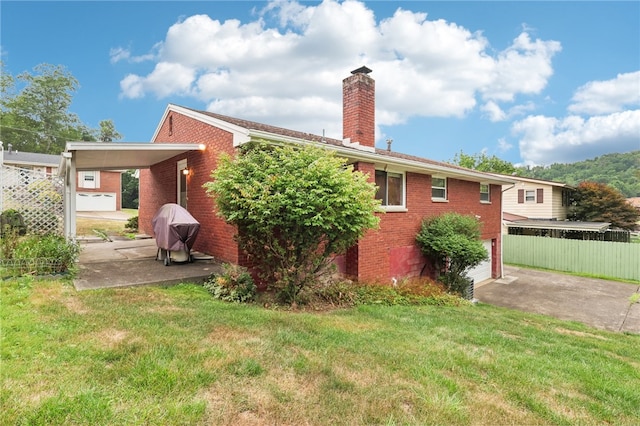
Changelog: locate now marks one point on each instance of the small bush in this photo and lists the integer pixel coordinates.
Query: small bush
(62, 253)
(11, 221)
(132, 223)
(235, 284)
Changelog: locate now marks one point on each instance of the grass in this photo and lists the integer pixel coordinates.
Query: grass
(107, 227)
(175, 356)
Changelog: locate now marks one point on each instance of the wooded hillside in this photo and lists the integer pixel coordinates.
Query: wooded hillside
(621, 171)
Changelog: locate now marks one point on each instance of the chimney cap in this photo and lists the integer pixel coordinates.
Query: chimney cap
(362, 70)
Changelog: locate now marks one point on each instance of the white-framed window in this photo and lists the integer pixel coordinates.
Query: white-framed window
(485, 195)
(390, 188)
(438, 188)
(90, 180)
(530, 196)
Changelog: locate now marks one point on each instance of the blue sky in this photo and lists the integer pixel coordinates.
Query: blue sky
(531, 82)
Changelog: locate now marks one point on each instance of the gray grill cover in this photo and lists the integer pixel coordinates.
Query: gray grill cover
(175, 228)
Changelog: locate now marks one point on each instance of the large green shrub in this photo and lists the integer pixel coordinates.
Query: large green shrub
(452, 242)
(294, 208)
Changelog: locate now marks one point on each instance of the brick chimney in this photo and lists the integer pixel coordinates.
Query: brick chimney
(358, 108)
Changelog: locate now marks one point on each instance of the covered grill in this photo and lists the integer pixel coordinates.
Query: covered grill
(176, 231)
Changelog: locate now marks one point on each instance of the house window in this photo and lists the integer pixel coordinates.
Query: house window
(484, 193)
(566, 198)
(530, 196)
(390, 188)
(90, 180)
(438, 188)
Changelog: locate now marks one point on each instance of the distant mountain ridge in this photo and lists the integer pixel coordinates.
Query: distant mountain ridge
(621, 171)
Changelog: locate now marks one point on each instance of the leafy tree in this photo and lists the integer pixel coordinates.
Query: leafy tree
(108, 131)
(483, 163)
(294, 208)
(130, 188)
(35, 117)
(598, 202)
(39, 114)
(452, 242)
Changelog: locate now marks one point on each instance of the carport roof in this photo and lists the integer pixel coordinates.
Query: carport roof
(122, 155)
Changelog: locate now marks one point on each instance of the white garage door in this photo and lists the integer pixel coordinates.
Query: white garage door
(482, 271)
(95, 202)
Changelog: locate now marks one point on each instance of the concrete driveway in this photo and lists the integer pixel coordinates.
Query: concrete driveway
(598, 303)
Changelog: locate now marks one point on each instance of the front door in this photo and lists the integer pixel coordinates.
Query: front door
(183, 174)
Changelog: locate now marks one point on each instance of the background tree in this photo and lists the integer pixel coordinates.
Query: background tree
(40, 110)
(597, 202)
(108, 132)
(34, 111)
(619, 170)
(130, 188)
(483, 163)
(452, 242)
(294, 208)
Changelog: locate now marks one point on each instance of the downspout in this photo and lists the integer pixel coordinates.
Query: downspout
(501, 225)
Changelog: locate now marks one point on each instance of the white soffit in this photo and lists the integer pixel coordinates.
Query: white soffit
(124, 155)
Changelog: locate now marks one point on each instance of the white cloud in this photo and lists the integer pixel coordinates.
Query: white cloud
(547, 140)
(164, 80)
(118, 54)
(494, 111)
(503, 145)
(422, 67)
(524, 67)
(604, 97)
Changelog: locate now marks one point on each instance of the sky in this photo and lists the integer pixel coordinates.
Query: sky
(533, 83)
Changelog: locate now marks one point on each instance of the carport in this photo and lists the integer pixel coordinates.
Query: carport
(88, 156)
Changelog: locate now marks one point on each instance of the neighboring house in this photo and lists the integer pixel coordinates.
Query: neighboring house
(411, 188)
(95, 190)
(45, 164)
(541, 208)
(537, 199)
(99, 190)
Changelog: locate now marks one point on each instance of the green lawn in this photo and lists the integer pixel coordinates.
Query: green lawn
(175, 356)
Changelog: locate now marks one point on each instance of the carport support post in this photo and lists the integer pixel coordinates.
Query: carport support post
(70, 196)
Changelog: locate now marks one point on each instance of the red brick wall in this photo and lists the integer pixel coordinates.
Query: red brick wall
(109, 182)
(158, 185)
(391, 251)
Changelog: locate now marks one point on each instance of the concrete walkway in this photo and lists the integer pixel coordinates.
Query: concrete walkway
(598, 303)
(132, 262)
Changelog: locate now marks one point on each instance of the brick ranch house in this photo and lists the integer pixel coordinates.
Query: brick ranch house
(410, 187)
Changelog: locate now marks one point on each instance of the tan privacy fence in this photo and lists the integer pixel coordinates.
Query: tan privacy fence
(601, 258)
